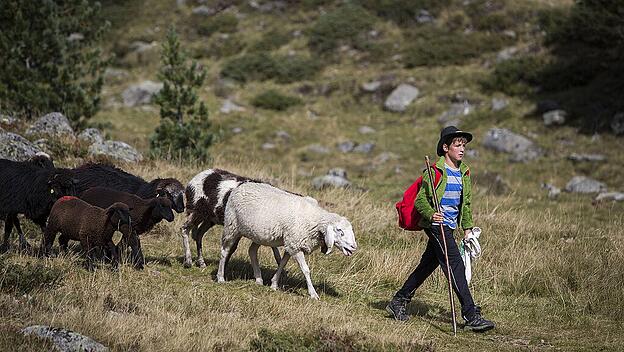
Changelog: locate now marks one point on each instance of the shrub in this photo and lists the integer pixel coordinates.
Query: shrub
(50, 61)
(296, 68)
(223, 23)
(184, 127)
(402, 12)
(262, 66)
(271, 40)
(224, 46)
(273, 100)
(342, 26)
(515, 76)
(23, 279)
(436, 48)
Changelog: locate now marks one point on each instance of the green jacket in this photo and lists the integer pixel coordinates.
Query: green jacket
(424, 200)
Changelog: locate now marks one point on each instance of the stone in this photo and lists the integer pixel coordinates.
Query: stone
(65, 340)
(141, 94)
(452, 117)
(553, 191)
(283, 135)
(365, 148)
(424, 16)
(499, 104)
(583, 184)
(54, 125)
(115, 150)
(15, 147)
(91, 135)
(554, 117)
(502, 140)
(268, 146)
(114, 75)
(229, 106)
(401, 97)
(491, 183)
(613, 196)
(237, 130)
(366, 130)
(331, 180)
(338, 171)
(506, 54)
(371, 87)
(75, 37)
(346, 147)
(317, 149)
(203, 10)
(587, 157)
(617, 123)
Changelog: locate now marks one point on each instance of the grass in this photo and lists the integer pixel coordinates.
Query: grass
(549, 276)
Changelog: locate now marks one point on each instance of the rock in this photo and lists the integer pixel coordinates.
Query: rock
(613, 196)
(140, 94)
(283, 135)
(91, 135)
(268, 146)
(43, 145)
(554, 117)
(424, 16)
(317, 149)
(371, 87)
(237, 130)
(506, 54)
(75, 37)
(142, 53)
(586, 157)
(229, 106)
(499, 104)
(336, 178)
(401, 97)
(365, 148)
(502, 140)
(346, 147)
(338, 171)
(366, 130)
(65, 340)
(15, 147)
(116, 150)
(553, 191)
(269, 6)
(203, 10)
(491, 183)
(54, 125)
(114, 75)
(617, 123)
(384, 158)
(452, 117)
(582, 184)
(7, 120)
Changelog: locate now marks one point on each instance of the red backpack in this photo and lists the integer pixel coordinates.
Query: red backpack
(409, 217)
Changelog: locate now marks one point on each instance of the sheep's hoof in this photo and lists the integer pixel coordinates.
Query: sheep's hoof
(315, 296)
(201, 264)
(259, 282)
(274, 287)
(220, 280)
(187, 264)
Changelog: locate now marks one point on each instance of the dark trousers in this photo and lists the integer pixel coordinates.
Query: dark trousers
(434, 257)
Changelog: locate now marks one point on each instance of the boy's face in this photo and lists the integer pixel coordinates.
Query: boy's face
(455, 150)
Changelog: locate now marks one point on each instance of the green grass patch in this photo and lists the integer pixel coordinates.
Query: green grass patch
(345, 25)
(271, 40)
(23, 279)
(402, 12)
(262, 66)
(273, 100)
(222, 23)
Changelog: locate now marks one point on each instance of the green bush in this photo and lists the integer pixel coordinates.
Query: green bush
(223, 23)
(271, 40)
(402, 12)
(296, 68)
(224, 46)
(437, 48)
(262, 66)
(23, 279)
(273, 100)
(344, 25)
(46, 66)
(515, 76)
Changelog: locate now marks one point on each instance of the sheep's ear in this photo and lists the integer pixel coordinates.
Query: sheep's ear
(330, 236)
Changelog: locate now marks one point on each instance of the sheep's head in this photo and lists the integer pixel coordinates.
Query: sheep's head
(161, 208)
(172, 189)
(119, 214)
(61, 183)
(339, 233)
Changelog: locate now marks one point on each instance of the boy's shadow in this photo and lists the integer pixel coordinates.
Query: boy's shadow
(423, 310)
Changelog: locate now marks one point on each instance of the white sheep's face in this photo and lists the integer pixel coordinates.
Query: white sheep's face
(341, 235)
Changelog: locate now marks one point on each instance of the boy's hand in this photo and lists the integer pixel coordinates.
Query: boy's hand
(437, 217)
(467, 232)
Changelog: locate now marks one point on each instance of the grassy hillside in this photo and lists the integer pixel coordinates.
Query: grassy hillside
(550, 273)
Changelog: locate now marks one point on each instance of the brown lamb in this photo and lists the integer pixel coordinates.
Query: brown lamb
(93, 226)
(144, 214)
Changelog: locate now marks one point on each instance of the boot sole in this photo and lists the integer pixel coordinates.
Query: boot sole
(479, 328)
(394, 315)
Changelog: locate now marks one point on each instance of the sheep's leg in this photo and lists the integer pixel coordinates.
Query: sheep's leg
(138, 259)
(198, 235)
(48, 239)
(300, 258)
(280, 269)
(253, 256)
(276, 255)
(188, 226)
(227, 246)
(63, 243)
(24, 245)
(8, 226)
(114, 255)
(90, 254)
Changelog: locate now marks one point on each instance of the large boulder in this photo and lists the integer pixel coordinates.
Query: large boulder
(115, 150)
(582, 184)
(54, 125)
(554, 117)
(613, 196)
(15, 147)
(65, 340)
(141, 94)
(401, 97)
(335, 178)
(91, 135)
(453, 116)
(502, 140)
(142, 53)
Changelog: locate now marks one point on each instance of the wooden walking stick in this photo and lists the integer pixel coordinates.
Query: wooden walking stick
(448, 268)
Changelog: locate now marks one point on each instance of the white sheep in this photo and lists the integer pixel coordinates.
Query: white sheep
(272, 217)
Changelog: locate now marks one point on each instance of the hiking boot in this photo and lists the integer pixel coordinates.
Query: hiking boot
(397, 307)
(478, 324)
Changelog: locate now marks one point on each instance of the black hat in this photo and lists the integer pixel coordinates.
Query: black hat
(449, 133)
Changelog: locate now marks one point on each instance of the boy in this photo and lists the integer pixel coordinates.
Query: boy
(453, 191)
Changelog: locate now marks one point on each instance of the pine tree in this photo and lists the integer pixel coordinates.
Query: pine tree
(184, 127)
(49, 60)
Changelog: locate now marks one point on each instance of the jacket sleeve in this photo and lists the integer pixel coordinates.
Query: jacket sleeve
(466, 221)
(422, 204)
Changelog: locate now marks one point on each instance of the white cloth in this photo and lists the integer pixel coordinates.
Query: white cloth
(470, 250)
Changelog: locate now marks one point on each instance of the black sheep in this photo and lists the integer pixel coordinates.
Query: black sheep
(30, 188)
(144, 213)
(103, 175)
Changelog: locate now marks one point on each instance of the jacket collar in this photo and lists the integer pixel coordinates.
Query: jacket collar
(463, 167)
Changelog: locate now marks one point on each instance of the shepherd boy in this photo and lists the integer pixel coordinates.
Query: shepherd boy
(453, 191)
